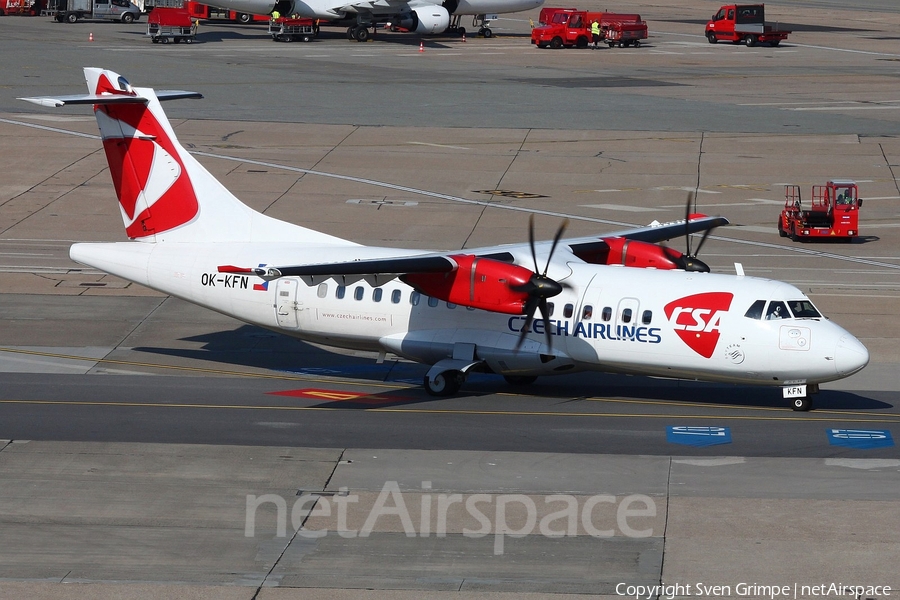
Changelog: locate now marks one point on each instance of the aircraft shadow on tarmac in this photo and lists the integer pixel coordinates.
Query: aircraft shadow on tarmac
(250, 346)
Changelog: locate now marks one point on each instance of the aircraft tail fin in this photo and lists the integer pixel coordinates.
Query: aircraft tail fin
(164, 193)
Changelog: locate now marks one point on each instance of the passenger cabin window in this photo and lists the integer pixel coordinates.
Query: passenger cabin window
(587, 312)
(340, 291)
(606, 313)
(322, 290)
(646, 317)
(377, 293)
(396, 296)
(568, 310)
(414, 298)
(359, 292)
(626, 315)
(756, 310)
(804, 309)
(777, 310)
(451, 305)
(432, 302)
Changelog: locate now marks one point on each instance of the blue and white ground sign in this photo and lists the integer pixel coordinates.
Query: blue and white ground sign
(698, 436)
(862, 439)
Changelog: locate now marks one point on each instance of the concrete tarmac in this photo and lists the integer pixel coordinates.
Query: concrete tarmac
(112, 488)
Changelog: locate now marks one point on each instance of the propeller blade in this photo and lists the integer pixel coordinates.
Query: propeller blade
(556, 238)
(545, 316)
(531, 242)
(530, 306)
(702, 241)
(687, 214)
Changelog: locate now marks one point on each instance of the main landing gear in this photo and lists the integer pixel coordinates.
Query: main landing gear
(482, 22)
(447, 383)
(359, 32)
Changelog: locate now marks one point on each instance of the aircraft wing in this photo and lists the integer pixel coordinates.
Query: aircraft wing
(653, 233)
(446, 262)
(392, 266)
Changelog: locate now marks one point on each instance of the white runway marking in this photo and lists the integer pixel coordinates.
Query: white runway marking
(623, 207)
(439, 145)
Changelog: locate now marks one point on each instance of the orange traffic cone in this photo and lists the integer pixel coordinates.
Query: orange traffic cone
(91, 37)
(421, 46)
(464, 37)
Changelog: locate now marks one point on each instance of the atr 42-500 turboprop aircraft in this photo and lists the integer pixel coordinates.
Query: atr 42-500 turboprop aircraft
(419, 16)
(621, 302)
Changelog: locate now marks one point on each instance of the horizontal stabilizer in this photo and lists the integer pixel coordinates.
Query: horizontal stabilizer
(109, 98)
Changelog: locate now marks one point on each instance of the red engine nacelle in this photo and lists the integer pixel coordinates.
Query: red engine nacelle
(477, 282)
(634, 253)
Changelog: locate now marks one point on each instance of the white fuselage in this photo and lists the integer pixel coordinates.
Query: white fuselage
(608, 318)
(330, 9)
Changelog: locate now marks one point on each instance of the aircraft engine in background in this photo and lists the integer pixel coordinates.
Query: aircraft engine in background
(425, 19)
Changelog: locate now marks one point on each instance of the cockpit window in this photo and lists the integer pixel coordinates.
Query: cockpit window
(756, 310)
(777, 310)
(804, 309)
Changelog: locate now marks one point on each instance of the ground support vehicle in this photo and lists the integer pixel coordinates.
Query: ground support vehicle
(285, 29)
(203, 11)
(171, 24)
(833, 212)
(20, 7)
(567, 28)
(71, 11)
(546, 16)
(623, 29)
(744, 23)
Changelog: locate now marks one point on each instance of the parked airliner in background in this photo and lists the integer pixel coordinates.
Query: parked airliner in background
(419, 16)
(621, 302)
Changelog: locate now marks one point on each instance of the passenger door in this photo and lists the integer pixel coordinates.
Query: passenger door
(286, 306)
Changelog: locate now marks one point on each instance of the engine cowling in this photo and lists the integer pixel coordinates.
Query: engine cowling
(635, 253)
(425, 19)
(482, 283)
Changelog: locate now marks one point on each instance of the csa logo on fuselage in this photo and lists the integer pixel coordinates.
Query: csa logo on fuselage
(697, 319)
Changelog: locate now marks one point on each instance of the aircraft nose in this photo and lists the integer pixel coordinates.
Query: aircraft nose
(850, 355)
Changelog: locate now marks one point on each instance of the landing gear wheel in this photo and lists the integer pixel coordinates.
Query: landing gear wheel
(486, 32)
(361, 34)
(350, 32)
(802, 404)
(461, 31)
(711, 38)
(520, 380)
(445, 384)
